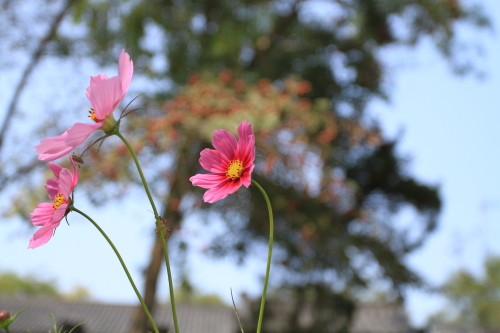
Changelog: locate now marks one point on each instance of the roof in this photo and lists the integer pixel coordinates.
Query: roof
(112, 318)
(438, 327)
(283, 315)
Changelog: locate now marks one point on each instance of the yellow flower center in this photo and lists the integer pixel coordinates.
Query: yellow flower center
(92, 116)
(58, 201)
(234, 169)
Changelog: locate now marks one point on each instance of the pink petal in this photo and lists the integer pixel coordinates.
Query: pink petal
(52, 148)
(55, 147)
(59, 214)
(125, 71)
(96, 79)
(105, 96)
(52, 187)
(246, 177)
(41, 236)
(76, 175)
(246, 143)
(213, 161)
(79, 132)
(65, 182)
(55, 168)
(225, 142)
(42, 215)
(222, 190)
(208, 180)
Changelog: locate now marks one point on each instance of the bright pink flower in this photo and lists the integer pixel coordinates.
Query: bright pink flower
(231, 163)
(48, 215)
(104, 94)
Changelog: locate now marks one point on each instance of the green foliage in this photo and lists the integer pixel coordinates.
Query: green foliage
(13, 284)
(60, 330)
(474, 301)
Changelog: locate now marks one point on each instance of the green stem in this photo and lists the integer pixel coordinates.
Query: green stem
(123, 265)
(7, 329)
(269, 254)
(160, 228)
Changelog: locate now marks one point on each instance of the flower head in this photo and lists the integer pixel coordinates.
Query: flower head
(230, 164)
(48, 215)
(104, 94)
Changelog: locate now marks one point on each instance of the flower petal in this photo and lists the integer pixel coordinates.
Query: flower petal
(125, 71)
(52, 148)
(246, 143)
(208, 180)
(55, 168)
(59, 214)
(79, 132)
(213, 160)
(42, 215)
(52, 187)
(222, 190)
(246, 177)
(41, 236)
(96, 79)
(76, 175)
(105, 96)
(225, 142)
(65, 183)
(55, 147)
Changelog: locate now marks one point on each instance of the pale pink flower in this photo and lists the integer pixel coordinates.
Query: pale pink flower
(104, 94)
(231, 163)
(48, 215)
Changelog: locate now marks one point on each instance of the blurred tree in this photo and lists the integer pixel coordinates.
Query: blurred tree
(12, 284)
(473, 301)
(302, 72)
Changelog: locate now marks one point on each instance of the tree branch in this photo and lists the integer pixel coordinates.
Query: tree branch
(35, 59)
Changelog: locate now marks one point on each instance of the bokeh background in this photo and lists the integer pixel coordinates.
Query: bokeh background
(376, 125)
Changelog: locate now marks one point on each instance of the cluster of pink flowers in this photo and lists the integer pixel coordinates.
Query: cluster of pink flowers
(230, 164)
(104, 94)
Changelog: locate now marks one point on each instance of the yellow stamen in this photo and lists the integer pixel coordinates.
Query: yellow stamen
(58, 201)
(234, 169)
(92, 116)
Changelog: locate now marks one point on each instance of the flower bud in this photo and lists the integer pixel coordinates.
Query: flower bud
(4, 315)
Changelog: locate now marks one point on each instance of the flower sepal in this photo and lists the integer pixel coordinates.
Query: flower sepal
(110, 126)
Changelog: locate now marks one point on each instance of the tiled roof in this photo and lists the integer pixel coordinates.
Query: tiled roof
(110, 318)
(450, 328)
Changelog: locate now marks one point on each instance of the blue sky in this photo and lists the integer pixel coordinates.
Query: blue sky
(448, 127)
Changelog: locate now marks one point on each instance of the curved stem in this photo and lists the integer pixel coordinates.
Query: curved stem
(123, 265)
(269, 254)
(159, 227)
(143, 179)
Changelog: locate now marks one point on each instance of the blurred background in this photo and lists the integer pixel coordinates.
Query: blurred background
(375, 123)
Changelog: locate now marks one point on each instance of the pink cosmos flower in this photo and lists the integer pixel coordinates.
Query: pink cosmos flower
(231, 163)
(104, 94)
(48, 215)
